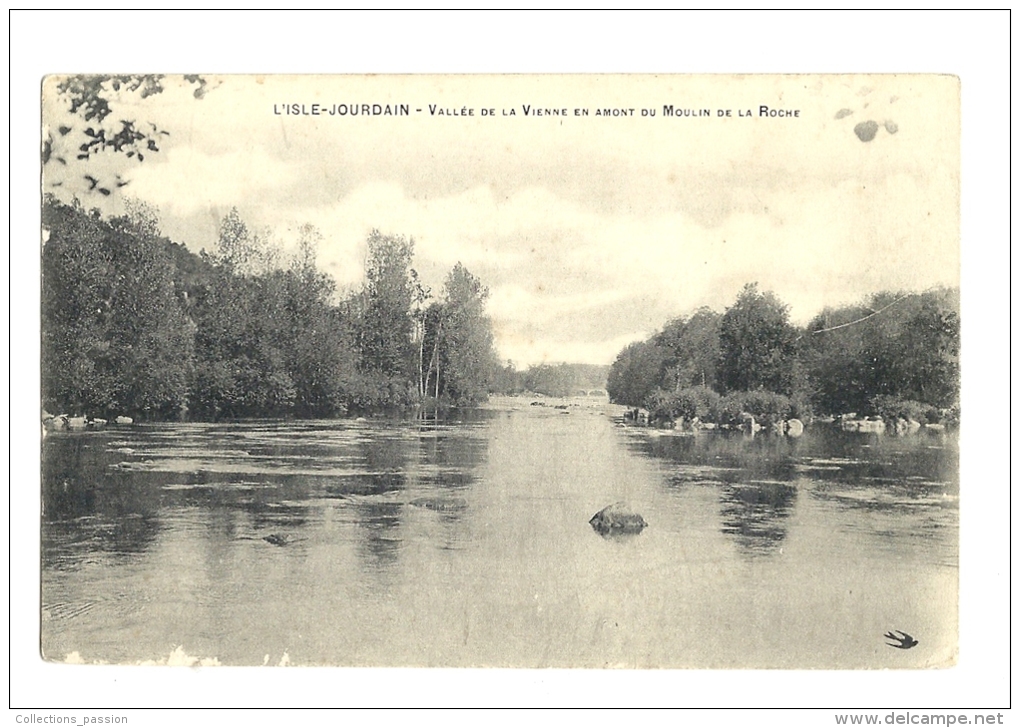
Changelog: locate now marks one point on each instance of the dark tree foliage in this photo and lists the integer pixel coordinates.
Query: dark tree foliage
(693, 346)
(465, 347)
(321, 359)
(243, 338)
(135, 324)
(686, 354)
(387, 333)
(243, 347)
(636, 373)
(270, 343)
(898, 346)
(757, 344)
(930, 353)
(115, 334)
(896, 356)
(840, 368)
(507, 379)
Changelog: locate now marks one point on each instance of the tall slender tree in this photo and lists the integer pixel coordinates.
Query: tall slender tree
(387, 336)
(466, 352)
(693, 346)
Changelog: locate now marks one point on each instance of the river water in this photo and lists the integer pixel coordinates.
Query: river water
(465, 542)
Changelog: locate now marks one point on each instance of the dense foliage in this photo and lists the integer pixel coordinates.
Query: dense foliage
(894, 356)
(551, 380)
(463, 357)
(756, 344)
(901, 346)
(135, 324)
(115, 332)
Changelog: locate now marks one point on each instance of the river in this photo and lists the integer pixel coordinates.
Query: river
(465, 541)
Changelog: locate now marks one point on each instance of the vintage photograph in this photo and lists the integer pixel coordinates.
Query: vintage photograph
(519, 371)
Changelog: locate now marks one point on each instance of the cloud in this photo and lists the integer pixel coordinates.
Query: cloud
(565, 279)
(587, 232)
(526, 351)
(516, 302)
(185, 180)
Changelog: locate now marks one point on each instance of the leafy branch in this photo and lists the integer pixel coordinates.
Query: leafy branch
(92, 99)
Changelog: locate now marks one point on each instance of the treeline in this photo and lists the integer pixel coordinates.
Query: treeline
(896, 355)
(135, 324)
(552, 380)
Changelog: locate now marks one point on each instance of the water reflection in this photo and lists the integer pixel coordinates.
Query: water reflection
(831, 455)
(466, 541)
(379, 539)
(759, 478)
(274, 480)
(85, 511)
(725, 457)
(755, 515)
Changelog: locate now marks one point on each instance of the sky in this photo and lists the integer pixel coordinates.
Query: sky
(589, 231)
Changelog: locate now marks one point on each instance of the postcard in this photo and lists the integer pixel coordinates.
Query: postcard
(528, 371)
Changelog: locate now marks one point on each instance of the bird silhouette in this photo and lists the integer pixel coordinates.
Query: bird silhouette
(903, 640)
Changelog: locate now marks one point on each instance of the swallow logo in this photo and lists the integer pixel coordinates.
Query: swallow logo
(900, 640)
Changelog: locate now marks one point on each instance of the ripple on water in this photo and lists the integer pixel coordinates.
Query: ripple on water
(380, 543)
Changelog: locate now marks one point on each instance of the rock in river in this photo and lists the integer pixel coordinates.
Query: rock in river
(617, 518)
(441, 504)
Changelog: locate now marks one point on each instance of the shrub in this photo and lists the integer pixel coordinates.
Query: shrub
(951, 416)
(701, 401)
(766, 407)
(728, 408)
(889, 407)
(662, 405)
(688, 403)
(665, 406)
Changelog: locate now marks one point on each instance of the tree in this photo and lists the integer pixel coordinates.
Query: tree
(136, 324)
(387, 328)
(896, 346)
(319, 351)
(246, 330)
(693, 346)
(506, 379)
(635, 374)
(150, 332)
(841, 374)
(757, 344)
(565, 379)
(465, 353)
(929, 352)
(116, 337)
(246, 252)
(77, 275)
(272, 341)
(420, 296)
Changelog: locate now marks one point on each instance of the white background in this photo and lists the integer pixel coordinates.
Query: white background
(974, 46)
